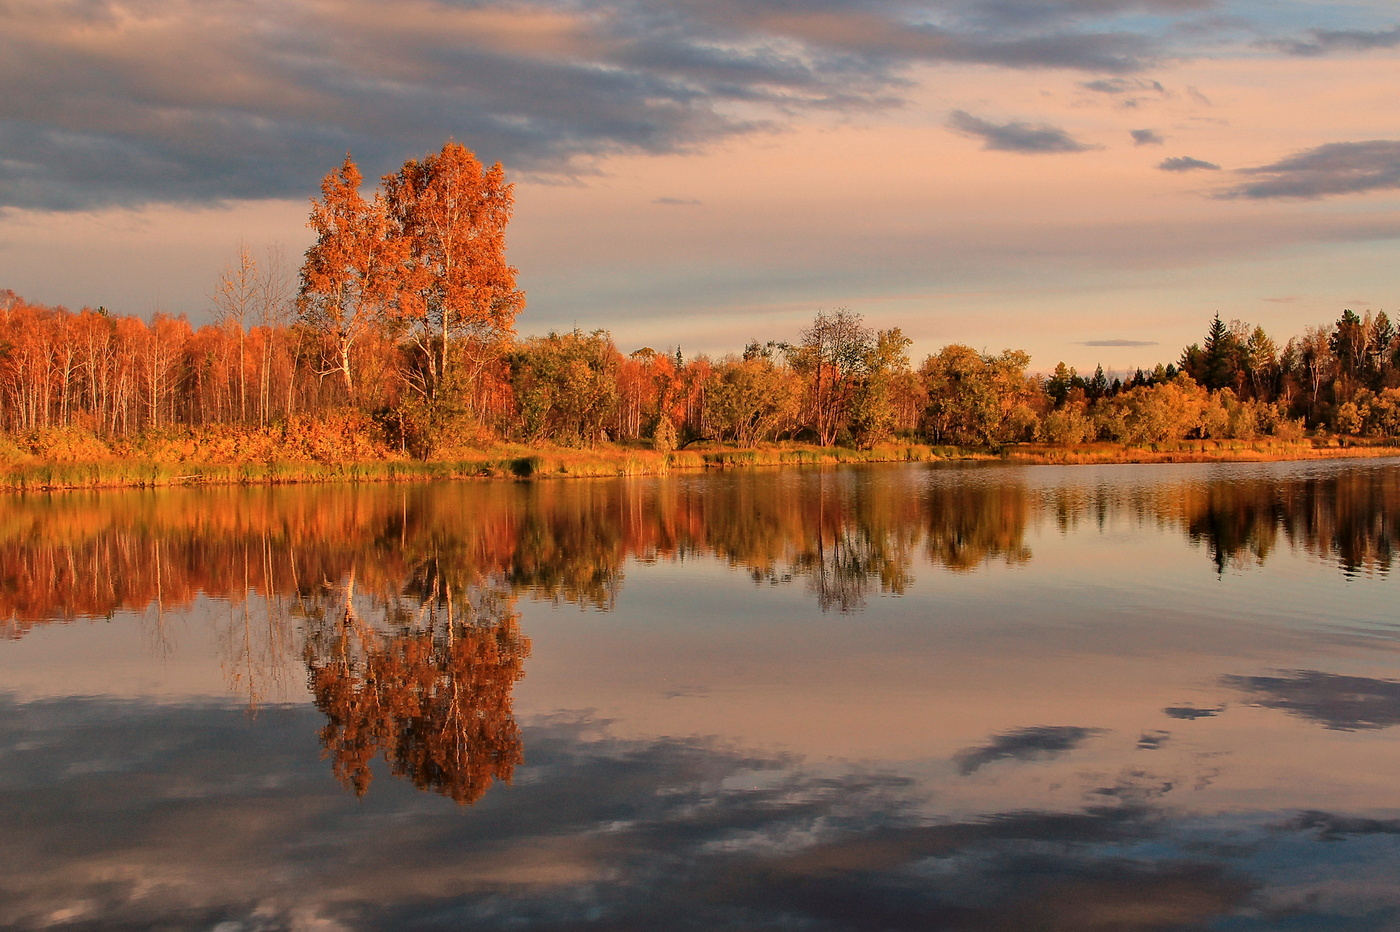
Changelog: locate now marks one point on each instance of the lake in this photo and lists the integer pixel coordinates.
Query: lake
(876, 698)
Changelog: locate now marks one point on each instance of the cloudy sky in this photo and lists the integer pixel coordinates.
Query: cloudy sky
(1089, 180)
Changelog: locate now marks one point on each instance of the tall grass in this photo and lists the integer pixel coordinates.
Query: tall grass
(520, 463)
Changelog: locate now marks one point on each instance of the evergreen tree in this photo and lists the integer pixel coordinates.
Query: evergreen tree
(1348, 343)
(1098, 385)
(1220, 356)
(1380, 355)
(1058, 385)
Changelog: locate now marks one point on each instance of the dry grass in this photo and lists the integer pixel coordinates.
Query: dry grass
(342, 453)
(1203, 451)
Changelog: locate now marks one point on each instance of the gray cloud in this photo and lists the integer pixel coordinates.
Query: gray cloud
(1036, 12)
(1032, 743)
(1153, 740)
(1015, 136)
(1324, 41)
(1184, 163)
(1146, 137)
(1119, 343)
(1340, 703)
(1334, 168)
(1190, 713)
(135, 101)
(1123, 86)
(677, 202)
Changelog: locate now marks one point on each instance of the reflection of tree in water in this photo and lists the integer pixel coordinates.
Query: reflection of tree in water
(430, 690)
(1238, 521)
(971, 525)
(573, 550)
(1365, 520)
(845, 533)
(851, 532)
(1350, 517)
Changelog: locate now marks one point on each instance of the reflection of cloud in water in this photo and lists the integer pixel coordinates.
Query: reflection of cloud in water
(1332, 827)
(201, 816)
(1152, 740)
(1341, 703)
(1190, 714)
(1039, 741)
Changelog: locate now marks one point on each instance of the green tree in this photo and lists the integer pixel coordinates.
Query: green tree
(884, 374)
(1220, 356)
(1059, 384)
(566, 387)
(1261, 363)
(1380, 352)
(752, 399)
(978, 399)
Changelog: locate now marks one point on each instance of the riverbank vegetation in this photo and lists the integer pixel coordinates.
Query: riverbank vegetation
(393, 354)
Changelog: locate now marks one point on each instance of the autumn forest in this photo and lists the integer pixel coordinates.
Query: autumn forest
(396, 336)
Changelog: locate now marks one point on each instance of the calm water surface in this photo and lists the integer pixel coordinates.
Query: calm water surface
(888, 698)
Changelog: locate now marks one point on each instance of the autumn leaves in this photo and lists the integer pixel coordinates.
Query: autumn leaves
(422, 263)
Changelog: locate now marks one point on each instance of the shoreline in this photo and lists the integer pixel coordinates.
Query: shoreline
(526, 464)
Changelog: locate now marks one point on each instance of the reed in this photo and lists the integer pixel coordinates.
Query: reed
(20, 472)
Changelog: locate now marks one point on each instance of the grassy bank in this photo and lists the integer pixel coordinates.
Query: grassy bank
(1203, 451)
(84, 462)
(34, 473)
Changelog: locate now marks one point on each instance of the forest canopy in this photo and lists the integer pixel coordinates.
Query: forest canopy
(401, 320)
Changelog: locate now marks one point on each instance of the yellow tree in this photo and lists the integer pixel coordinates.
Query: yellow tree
(456, 284)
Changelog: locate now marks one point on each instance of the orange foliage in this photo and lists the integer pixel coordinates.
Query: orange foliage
(437, 705)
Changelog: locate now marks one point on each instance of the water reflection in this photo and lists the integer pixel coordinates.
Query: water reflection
(619, 834)
(399, 603)
(429, 688)
(844, 534)
(1337, 702)
(1103, 699)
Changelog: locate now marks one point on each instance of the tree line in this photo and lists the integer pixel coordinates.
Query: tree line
(403, 313)
(840, 382)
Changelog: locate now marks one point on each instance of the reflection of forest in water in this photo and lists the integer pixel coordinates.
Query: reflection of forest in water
(399, 602)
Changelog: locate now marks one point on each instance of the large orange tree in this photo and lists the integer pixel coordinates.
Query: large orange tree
(457, 293)
(351, 274)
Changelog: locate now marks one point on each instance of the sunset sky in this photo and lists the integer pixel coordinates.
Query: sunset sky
(1088, 180)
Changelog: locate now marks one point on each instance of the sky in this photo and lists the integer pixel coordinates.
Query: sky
(1087, 180)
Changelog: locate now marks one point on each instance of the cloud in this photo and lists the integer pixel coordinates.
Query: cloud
(1119, 343)
(126, 102)
(1013, 13)
(1190, 713)
(677, 202)
(1015, 136)
(1146, 137)
(1153, 740)
(1122, 85)
(1339, 703)
(1040, 741)
(1332, 827)
(1334, 168)
(1184, 163)
(1325, 41)
(196, 816)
